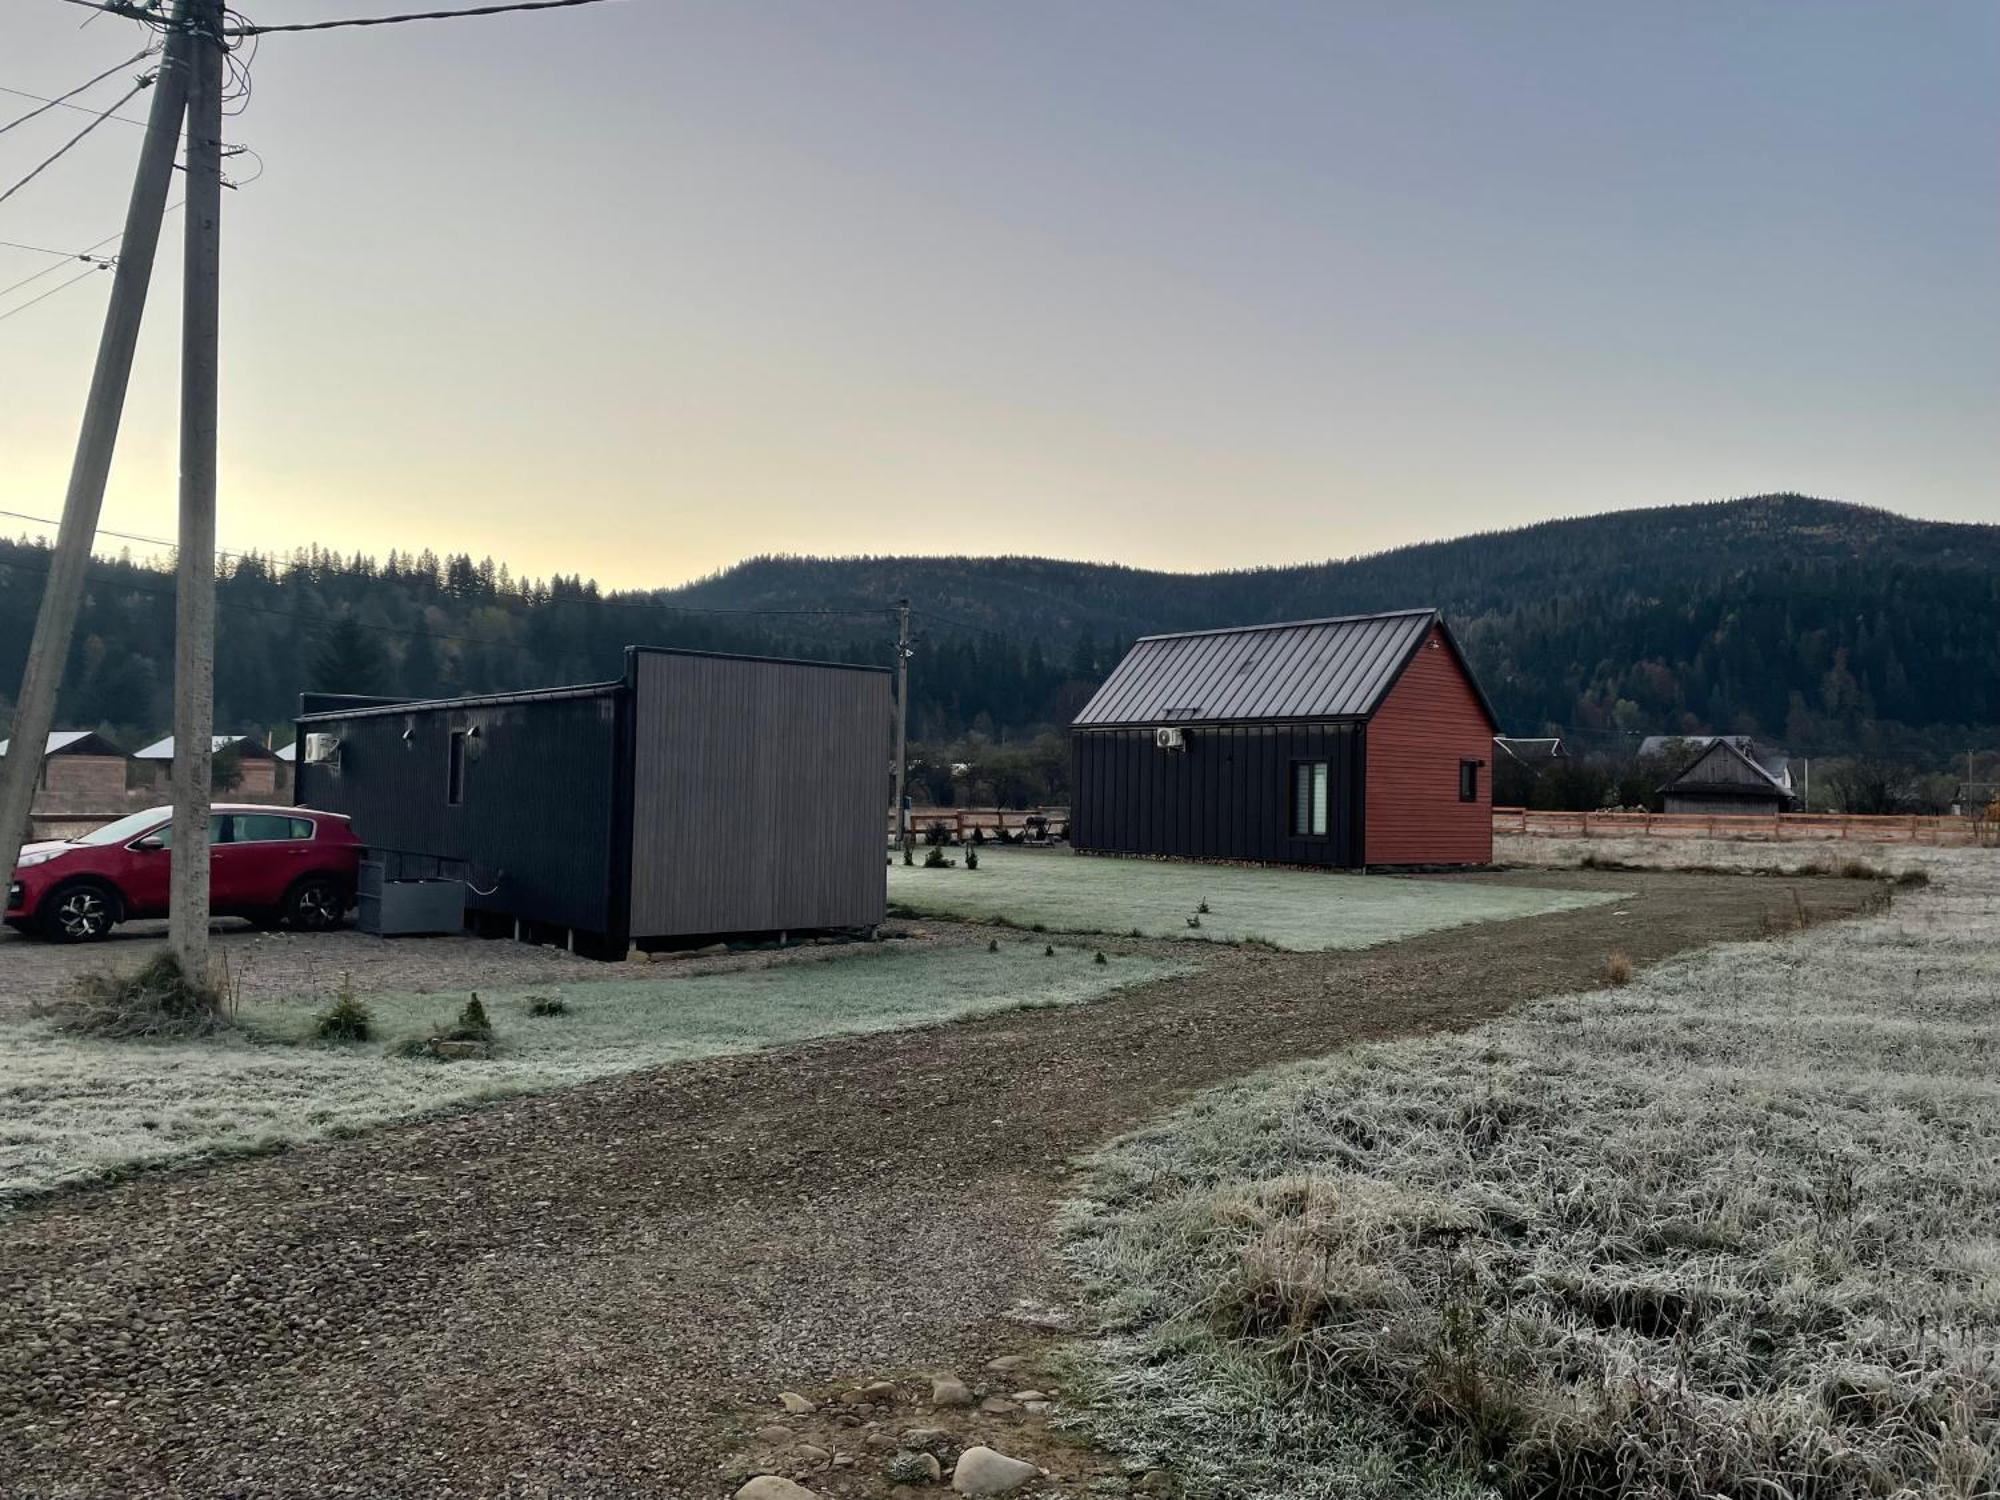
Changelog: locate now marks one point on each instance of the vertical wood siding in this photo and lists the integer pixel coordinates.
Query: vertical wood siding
(535, 824)
(1429, 722)
(1227, 796)
(758, 795)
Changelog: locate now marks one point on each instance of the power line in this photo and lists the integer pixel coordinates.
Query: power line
(97, 263)
(64, 149)
(93, 269)
(48, 104)
(424, 15)
(133, 12)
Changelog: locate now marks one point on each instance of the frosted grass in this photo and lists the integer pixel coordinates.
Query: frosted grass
(1301, 910)
(73, 1108)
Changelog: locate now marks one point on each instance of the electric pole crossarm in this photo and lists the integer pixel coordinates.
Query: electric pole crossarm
(62, 594)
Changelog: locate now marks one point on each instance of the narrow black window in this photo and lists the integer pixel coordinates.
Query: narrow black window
(1309, 799)
(1468, 781)
(454, 776)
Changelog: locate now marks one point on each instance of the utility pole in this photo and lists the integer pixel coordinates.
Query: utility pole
(194, 588)
(902, 724)
(62, 593)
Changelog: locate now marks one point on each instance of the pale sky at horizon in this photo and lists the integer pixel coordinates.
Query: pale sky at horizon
(637, 290)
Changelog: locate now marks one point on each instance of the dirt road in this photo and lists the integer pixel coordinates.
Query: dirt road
(570, 1295)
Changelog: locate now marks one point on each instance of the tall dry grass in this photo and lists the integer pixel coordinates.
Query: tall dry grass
(1732, 1229)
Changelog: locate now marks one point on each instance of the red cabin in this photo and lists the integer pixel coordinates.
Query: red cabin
(1347, 742)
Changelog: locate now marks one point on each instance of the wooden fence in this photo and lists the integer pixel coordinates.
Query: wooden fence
(1944, 831)
(958, 822)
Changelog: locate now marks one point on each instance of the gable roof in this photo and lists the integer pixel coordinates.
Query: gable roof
(164, 749)
(1305, 669)
(1773, 762)
(1735, 768)
(74, 741)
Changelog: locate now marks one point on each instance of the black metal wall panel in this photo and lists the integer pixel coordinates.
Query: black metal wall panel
(758, 794)
(1227, 796)
(535, 823)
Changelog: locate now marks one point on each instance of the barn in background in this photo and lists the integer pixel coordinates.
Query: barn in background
(1345, 742)
(700, 796)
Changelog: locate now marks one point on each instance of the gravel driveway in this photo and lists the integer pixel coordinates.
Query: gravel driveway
(572, 1295)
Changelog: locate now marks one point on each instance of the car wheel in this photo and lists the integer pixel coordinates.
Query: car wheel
(316, 904)
(80, 913)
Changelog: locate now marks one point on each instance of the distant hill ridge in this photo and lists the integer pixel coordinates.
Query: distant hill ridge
(1817, 624)
(1784, 615)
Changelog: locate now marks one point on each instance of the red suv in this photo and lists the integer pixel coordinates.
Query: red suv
(270, 864)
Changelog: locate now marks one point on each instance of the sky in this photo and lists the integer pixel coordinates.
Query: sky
(639, 289)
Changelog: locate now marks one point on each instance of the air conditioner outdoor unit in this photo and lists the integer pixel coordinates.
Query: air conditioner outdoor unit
(322, 749)
(1169, 738)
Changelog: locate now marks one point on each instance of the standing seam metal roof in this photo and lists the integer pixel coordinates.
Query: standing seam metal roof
(1307, 669)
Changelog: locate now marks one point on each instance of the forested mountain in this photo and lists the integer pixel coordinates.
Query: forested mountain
(1819, 624)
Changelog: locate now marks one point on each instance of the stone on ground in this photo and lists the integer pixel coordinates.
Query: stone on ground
(771, 1487)
(949, 1390)
(796, 1404)
(983, 1471)
(909, 1467)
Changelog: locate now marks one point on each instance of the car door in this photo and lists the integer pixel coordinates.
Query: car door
(145, 871)
(228, 868)
(266, 853)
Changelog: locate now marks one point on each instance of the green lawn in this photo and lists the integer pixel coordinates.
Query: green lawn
(1303, 910)
(72, 1109)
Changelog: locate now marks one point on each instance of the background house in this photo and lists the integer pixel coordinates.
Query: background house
(258, 763)
(1729, 774)
(1343, 742)
(82, 766)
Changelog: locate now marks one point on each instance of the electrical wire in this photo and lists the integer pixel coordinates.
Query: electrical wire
(64, 149)
(58, 287)
(48, 104)
(99, 262)
(96, 263)
(424, 15)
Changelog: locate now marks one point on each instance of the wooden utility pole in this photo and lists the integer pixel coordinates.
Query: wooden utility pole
(902, 724)
(62, 594)
(194, 590)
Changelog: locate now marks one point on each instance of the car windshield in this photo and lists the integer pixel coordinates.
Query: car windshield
(128, 827)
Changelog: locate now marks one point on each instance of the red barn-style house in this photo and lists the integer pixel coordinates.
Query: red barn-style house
(1346, 742)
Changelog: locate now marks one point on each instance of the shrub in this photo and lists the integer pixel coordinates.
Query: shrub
(971, 858)
(1618, 969)
(547, 1005)
(156, 1000)
(1048, 950)
(1914, 878)
(470, 1035)
(1101, 958)
(935, 860)
(347, 1019)
(993, 945)
(473, 1022)
(936, 834)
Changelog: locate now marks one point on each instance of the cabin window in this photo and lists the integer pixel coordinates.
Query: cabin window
(454, 774)
(1468, 780)
(1309, 782)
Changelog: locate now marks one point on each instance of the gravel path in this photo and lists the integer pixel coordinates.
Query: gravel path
(573, 1295)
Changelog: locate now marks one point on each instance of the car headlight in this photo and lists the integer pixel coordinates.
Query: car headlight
(39, 857)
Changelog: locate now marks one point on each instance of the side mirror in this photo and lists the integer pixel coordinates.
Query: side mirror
(152, 843)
